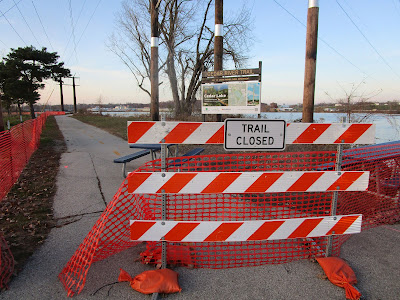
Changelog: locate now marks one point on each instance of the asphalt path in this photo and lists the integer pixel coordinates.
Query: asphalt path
(87, 181)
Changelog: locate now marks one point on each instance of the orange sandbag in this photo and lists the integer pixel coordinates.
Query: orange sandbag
(340, 274)
(154, 281)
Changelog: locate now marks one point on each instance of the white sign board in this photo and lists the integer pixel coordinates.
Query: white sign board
(231, 98)
(255, 135)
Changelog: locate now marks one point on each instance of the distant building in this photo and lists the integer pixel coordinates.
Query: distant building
(273, 105)
(285, 107)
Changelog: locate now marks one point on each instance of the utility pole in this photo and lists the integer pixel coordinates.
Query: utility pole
(154, 105)
(311, 61)
(1, 117)
(61, 94)
(218, 39)
(73, 89)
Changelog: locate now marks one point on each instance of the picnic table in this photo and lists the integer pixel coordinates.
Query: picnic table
(152, 149)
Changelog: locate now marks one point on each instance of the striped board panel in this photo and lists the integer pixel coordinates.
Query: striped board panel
(239, 231)
(171, 132)
(246, 182)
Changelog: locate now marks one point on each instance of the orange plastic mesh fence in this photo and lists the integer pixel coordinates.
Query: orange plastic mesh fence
(110, 234)
(16, 147)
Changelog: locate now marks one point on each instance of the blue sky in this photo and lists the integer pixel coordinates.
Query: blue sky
(359, 40)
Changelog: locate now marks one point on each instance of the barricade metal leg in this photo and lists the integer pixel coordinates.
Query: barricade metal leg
(164, 201)
(338, 168)
(163, 210)
(124, 170)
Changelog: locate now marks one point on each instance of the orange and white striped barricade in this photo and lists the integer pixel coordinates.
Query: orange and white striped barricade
(239, 231)
(213, 133)
(248, 182)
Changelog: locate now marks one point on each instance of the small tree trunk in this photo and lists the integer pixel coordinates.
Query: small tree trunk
(32, 110)
(173, 83)
(19, 109)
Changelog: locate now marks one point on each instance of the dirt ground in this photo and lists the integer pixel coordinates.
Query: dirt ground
(26, 215)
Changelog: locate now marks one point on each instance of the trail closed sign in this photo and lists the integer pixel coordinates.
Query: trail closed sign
(256, 135)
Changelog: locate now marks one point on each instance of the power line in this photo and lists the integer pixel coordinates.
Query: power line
(73, 28)
(3, 15)
(13, 28)
(90, 19)
(26, 22)
(395, 6)
(372, 46)
(3, 43)
(321, 39)
(281, 6)
(65, 49)
(10, 8)
(41, 23)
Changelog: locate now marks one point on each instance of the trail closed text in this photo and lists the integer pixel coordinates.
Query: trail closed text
(245, 134)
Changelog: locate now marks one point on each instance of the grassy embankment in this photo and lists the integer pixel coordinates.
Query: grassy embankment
(114, 125)
(14, 119)
(118, 126)
(26, 215)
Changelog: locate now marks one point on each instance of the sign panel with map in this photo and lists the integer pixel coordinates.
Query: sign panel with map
(231, 98)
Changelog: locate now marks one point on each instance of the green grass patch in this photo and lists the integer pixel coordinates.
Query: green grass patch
(14, 119)
(114, 125)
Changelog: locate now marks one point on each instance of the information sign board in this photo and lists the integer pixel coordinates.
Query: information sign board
(231, 98)
(251, 134)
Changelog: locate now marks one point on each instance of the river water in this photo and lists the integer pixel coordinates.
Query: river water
(387, 126)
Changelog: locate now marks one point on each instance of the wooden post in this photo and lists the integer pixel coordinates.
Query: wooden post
(61, 95)
(218, 39)
(73, 89)
(154, 105)
(311, 61)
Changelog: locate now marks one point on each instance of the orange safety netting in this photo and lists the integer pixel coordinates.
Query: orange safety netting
(110, 234)
(16, 148)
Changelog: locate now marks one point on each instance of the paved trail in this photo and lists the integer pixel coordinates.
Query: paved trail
(88, 179)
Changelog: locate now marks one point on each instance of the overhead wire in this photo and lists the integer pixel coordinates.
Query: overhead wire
(14, 29)
(4, 15)
(72, 28)
(83, 32)
(49, 96)
(368, 41)
(10, 9)
(90, 19)
(30, 29)
(41, 23)
(395, 6)
(322, 40)
(76, 23)
(327, 44)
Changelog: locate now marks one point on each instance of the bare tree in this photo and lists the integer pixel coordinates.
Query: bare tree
(186, 48)
(356, 102)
